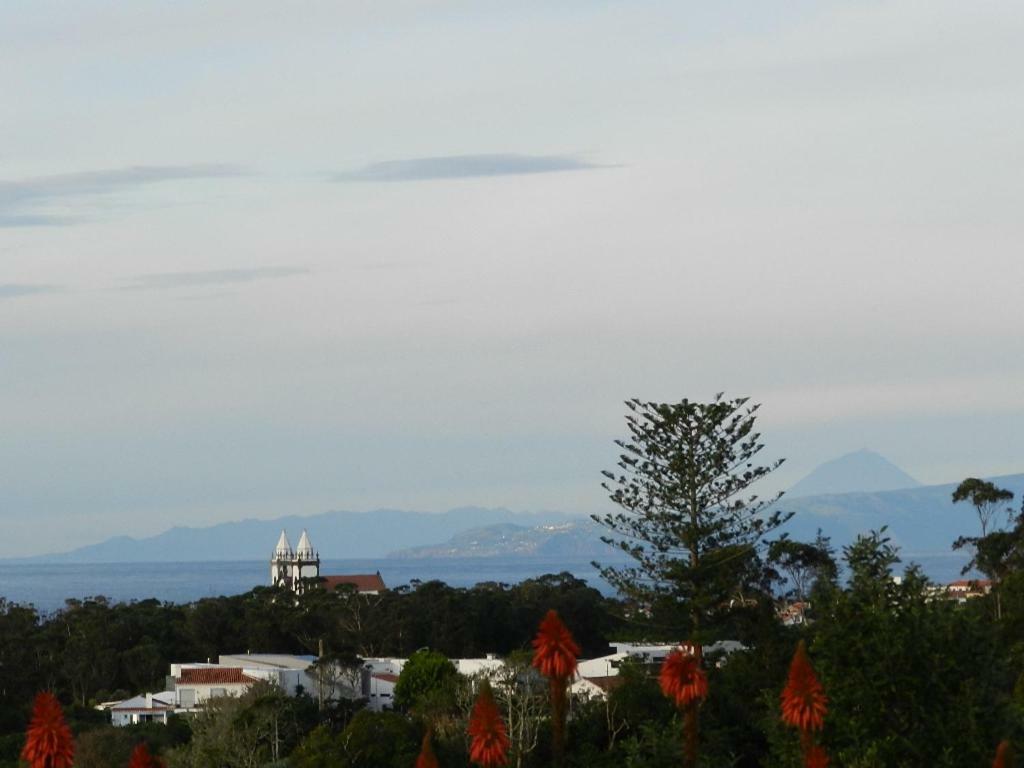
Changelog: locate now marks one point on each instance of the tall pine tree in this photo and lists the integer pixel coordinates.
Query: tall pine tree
(688, 518)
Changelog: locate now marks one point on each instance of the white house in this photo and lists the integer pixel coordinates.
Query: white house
(146, 708)
(194, 685)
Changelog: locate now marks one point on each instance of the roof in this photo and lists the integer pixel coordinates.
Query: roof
(266, 661)
(161, 701)
(363, 582)
(215, 676)
(971, 583)
(284, 547)
(304, 550)
(606, 682)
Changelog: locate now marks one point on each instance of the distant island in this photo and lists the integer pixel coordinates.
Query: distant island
(920, 519)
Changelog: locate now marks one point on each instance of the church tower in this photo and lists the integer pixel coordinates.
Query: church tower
(305, 563)
(281, 562)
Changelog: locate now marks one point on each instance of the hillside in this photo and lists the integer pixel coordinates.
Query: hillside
(334, 534)
(921, 521)
(577, 539)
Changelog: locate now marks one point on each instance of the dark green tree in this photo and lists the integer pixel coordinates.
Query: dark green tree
(899, 666)
(688, 519)
(426, 676)
(802, 564)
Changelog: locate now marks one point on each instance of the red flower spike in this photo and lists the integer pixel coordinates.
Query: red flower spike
(141, 758)
(427, 758)
(48, 741)
(1003, 755)
(816, 757)
(555, 651)
(489, 739)
(804, 702)
(682, 679)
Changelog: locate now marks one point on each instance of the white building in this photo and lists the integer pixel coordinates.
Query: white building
(292, 674)
(289, 568)
(295, 569)
(196, 684)
(596, 677)
(146, 708)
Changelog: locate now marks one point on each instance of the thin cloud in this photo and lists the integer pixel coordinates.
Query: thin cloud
(465, 166)
(17, 290)
(171, 280)
(24, 202)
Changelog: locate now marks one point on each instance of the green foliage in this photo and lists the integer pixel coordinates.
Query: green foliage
(321, 748)
(263, 725)
(371, 740)
(688, 519)
(427, 679)
(911, 681)
(805, 565)
(107, 746)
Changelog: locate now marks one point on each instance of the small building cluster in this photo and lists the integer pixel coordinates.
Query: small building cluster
(190, 686)
(963, 590)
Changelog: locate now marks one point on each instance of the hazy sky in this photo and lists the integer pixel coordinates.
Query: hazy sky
(261, 258)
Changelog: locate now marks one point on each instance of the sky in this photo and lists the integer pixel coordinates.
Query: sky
(260, 258)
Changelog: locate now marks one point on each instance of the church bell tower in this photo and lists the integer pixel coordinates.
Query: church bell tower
(281, 562)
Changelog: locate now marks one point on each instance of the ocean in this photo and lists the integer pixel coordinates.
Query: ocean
(48, 585)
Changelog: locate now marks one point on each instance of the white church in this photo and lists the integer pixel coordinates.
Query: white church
(296, 569)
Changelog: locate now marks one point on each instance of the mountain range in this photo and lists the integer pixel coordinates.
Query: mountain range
(336, 535)
(920, 519)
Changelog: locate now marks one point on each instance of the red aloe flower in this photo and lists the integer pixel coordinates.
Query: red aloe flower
(816, 757)
(141, 758)
(1003, 755)
(48, 742)
(804, 703)
(427, 758)
(489, 739)
(682, 679)
(555, 651)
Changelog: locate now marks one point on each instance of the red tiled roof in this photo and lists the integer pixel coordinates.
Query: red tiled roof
(386, 677)
(971, 583)
(363, 582)
(606, 682)
(214, 675)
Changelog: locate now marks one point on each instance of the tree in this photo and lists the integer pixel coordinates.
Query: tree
(258, 727)
(899, 666)
(426, 675)
(986, 497)
(802, 563)
(378, 740)
(686, 518)
(521, 696)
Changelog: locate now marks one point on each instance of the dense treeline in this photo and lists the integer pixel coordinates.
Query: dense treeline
(94, 650)
(899, 669)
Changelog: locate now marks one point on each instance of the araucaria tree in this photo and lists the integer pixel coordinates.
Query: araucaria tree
(688, 519)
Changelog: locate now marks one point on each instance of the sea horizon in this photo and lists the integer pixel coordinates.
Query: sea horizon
(47, 585)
